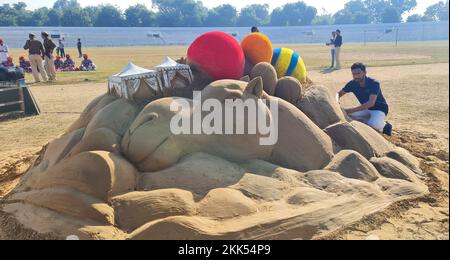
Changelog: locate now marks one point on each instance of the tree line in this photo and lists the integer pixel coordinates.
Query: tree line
(192, 13)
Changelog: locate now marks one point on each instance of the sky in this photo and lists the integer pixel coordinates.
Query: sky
(323, 6)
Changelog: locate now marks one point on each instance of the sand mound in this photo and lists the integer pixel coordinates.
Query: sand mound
(119, 173)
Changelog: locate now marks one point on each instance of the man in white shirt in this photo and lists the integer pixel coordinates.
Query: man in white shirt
(61, 47)
(333, 48)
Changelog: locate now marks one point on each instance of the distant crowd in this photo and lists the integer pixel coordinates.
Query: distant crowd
(41, 60)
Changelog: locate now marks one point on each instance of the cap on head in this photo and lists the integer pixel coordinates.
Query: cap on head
(32, 35)
(45, 34)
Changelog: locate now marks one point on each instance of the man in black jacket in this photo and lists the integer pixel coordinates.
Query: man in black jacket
(49, 47)
(338, 44)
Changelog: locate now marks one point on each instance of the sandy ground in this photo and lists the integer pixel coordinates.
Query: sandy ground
(419, 98)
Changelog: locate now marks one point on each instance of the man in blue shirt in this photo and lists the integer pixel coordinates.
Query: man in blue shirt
(374, 108)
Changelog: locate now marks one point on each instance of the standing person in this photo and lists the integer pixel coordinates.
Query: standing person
(333, 48)
(61, 46)
(49, 47)
(374, 108)
(338, 44)
(3, 51)
(80, 53)
(36, 54)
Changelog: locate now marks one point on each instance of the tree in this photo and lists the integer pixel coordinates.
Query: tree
(139, 16)
(54, 18)
(7, 16)
(73, 17)
(196, 15)
(67, 13)
(18, 14)
(354, 12)
(277, 18)
(403, 6)
(293, 14)
(414, 18)
(40, 17)
(391, 15)
(20, 6)
(299, 13)
(326, 19)
(62, 5)
(343, 17)
(356, 6)
(426, 18)
(109, 16)
(169, 13)
(254, 15)
(361, 18)
(180, 12)
(437, 12)
(224, 15)
(89, 15)
(375, 9)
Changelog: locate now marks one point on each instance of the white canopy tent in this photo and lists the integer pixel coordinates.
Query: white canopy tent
(173, 74)
(136, 82)
(132, 79)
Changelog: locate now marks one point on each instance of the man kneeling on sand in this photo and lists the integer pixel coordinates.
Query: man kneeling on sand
(374, 108)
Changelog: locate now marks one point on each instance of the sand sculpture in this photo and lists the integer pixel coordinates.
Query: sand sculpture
(118, 172)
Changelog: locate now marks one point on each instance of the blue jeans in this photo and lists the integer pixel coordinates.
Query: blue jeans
(333, 52)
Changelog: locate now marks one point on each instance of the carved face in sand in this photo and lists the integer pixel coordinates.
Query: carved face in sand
(152, 144)
(149, 136)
